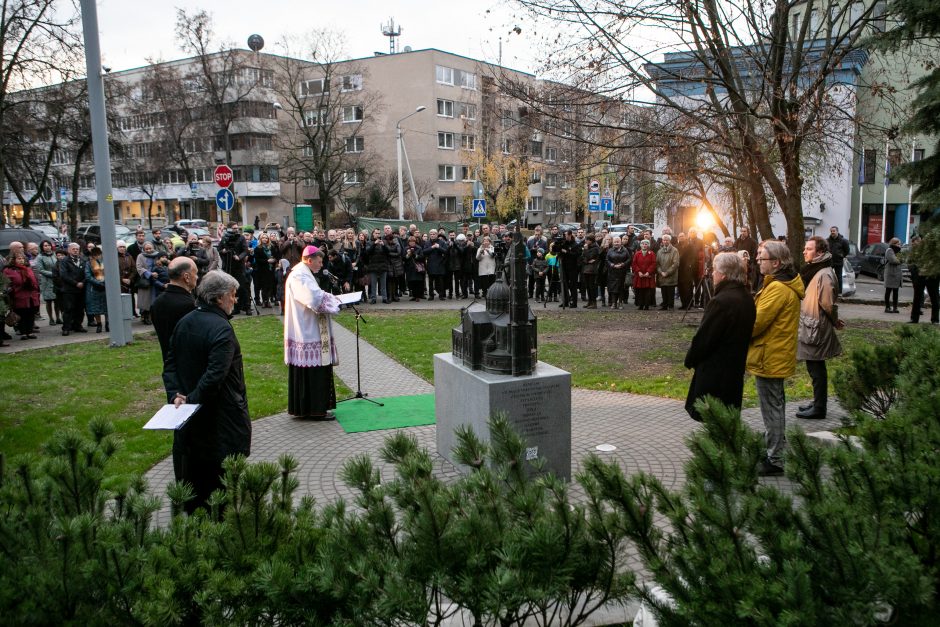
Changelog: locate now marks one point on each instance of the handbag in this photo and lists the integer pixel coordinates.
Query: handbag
(628, 279)
(97, 287)
(142, 283)
(11, 319)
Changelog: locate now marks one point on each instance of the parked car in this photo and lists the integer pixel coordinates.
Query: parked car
(130, 237)
(92, 232)
(853, 258)
(869, 261)
(24, 236)
(620, 230)
(197, 222)
(848, 278)
(50, 231)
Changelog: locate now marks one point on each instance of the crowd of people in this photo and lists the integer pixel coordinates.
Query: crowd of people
(566, 267)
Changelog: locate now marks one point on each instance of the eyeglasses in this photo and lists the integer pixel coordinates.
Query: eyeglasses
(762, 259)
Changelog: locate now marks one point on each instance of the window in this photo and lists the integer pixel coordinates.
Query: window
(468, 142)
(352, 82)
(566, 182)
(551, 154)
(445, 75)
(534, 203)
(354, 177)
(445, 141)
(445, 108)
(352, 113)
(468, 173)
(445, 173)
(918, 154)
(468, 111)
(468, 80)
(315, 87)
(315, 117)
(871, 155)
(447, 204)
(535, 177)
(355, 144)
(506, 146)
(551, 180)
(894, 157)
(565, 155)
(506, 118)
(797, 21)
(535, 148)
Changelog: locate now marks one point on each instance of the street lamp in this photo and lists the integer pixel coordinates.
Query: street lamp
(401, 189)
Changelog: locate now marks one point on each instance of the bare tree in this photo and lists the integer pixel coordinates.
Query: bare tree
(326, 106)
(765, 71)
(39, 45)
(224, 78)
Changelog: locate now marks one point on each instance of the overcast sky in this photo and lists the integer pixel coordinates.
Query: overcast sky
(133, 31)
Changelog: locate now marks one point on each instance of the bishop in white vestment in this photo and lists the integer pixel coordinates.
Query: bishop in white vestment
(309, 348)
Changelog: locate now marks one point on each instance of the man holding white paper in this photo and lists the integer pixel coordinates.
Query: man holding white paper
(204, 367)
(309, 348)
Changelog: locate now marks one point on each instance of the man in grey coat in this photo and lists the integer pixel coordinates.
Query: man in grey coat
(819, 319)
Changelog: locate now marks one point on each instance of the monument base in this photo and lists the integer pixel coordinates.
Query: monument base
(538, 407)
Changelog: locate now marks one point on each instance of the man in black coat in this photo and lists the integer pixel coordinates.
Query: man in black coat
(204, 367)
(233, 250)
(719, 349)
(176, 301)
(169, 308)
(72, 279)
(839, 249)
(570, 254)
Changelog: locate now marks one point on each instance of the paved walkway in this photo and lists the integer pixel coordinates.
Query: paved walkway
(649, 432)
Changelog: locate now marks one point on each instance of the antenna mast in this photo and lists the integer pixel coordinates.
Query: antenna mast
(392, 32)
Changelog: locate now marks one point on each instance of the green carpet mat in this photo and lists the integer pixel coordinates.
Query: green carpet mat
(357, 415)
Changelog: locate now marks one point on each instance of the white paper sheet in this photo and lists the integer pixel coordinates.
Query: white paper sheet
(171, 417)
(352, 297)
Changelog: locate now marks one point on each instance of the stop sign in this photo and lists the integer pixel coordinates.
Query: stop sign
(224, 176)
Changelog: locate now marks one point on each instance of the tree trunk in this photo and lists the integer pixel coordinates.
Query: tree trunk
(150, 212)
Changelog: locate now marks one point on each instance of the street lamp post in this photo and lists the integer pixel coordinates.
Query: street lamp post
(401, 188)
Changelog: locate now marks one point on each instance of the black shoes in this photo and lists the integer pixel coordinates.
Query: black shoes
(80, 330)
(766, 468)
(811, 413)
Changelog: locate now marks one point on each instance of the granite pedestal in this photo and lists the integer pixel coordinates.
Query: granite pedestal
(538, 407)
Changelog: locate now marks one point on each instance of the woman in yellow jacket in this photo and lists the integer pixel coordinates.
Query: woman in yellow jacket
(771, 357)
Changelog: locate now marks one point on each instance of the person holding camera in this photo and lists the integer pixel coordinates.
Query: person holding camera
(195, 251)
(291, 247)
(486, 268)
(233, 251)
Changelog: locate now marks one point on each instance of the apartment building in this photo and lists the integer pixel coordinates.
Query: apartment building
(325, 136)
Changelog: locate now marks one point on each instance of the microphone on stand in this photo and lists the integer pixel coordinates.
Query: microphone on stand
(333, 278)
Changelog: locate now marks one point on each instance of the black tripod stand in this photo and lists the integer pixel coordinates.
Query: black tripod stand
(359, 393)
(705, 285)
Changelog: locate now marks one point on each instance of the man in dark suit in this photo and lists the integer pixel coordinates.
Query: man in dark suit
(176, 301)
(72, 278)
(204, 367)
(719, 349)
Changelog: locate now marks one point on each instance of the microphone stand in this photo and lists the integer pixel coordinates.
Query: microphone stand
(359, 394)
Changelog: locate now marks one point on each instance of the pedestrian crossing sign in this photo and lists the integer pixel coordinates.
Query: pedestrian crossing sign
(479, 207)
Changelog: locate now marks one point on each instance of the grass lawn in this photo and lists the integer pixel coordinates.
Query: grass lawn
(69, 385)
(632, 351)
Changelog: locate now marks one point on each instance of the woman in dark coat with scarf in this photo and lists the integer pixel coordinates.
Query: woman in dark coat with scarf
(24, 293)
(414, 268)
(618, 262)
(719, 349)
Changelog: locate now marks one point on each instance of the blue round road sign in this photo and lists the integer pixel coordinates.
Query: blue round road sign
(225, 199)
